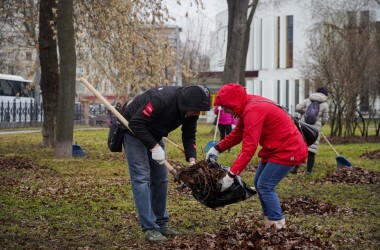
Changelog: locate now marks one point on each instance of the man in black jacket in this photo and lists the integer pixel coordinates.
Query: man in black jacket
(151, 116)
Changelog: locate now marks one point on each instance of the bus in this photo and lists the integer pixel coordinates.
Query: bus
(17, 99)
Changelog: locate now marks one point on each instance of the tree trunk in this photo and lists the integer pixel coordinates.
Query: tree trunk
(246, 43)
(49, 71)
(237, 20)
(67, 66)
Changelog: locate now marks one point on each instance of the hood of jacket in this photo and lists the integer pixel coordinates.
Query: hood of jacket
(232, 96)
(317, 97)
(194, 98)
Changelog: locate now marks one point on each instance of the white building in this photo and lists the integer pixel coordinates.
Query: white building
(278, 40)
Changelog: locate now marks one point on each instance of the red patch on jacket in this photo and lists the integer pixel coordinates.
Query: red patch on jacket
(148, 111)
(195, 146)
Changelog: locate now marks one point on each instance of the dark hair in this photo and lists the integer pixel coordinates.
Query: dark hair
(323, 90)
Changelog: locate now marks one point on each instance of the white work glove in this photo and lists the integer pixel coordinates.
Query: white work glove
(226, 182)
(158, 154)
(191, 163)
(212, 153)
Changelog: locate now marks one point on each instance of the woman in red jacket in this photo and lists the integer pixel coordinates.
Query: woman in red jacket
(262, 122)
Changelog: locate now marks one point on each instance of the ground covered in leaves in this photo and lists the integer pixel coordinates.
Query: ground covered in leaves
(247, 233)
(353, 175)
(88, 204)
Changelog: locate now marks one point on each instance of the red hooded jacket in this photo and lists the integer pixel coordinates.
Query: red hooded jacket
(260, 123)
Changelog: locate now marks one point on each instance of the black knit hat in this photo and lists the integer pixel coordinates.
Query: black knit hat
(194, 98)
(323, 90)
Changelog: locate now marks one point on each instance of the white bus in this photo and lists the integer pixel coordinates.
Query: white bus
(16, 99)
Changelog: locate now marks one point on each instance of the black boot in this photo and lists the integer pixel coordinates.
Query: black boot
(294, 170)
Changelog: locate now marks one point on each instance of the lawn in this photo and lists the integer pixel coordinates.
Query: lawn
(87, 203)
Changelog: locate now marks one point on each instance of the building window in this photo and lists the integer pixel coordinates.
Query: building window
(289, 42)
(106, 87)
(297, 92)
(278, 44)
(278, 91)
(28, 56)
(261, 45)
(287, 95)
(307, 88)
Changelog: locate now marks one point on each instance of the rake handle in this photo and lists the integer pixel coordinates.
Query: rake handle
(217, 122)
(172, 142)
(324, 137)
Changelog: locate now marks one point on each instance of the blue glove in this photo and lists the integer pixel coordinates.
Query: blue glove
(226, 182)
(212, 153)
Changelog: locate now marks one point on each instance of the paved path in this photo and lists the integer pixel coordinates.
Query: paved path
(6, 132)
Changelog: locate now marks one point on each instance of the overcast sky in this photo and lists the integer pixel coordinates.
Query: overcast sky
(188, 13)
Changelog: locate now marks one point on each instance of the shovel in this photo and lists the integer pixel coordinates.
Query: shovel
(119, 116)
(211, 144)
(340, 160)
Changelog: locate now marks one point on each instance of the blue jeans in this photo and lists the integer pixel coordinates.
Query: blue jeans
(268, 175)
(149, 184)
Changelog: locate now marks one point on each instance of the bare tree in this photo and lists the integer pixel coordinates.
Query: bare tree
(246, 41)
(193, 58)
(125, 42)
(344, 56)
(18, 22)
(67, 67)
(237, 22)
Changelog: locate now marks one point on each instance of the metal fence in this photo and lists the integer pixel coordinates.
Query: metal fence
(17, 111)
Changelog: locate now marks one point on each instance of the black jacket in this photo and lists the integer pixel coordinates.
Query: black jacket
(155, 113)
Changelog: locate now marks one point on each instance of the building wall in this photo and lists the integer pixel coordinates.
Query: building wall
(275, 80)
(267, 50)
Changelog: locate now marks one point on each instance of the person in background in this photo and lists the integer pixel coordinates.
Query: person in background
(323, 116)
(225, 123)
(118, 106)
(151, 116)
(261, 122)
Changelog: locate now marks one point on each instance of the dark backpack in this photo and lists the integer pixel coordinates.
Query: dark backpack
(311, 114)
(116, 135)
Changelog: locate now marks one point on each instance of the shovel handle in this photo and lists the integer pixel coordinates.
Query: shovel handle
(116, 113)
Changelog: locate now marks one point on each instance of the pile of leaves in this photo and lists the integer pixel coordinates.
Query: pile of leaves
(352, 175)
(202, 177)
(17, 163)
(308, 205)
(247, 233)
(371, 155)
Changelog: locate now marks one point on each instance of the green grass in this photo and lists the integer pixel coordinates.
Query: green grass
(88, 203)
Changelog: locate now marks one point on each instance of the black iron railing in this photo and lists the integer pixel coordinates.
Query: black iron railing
(18, 111)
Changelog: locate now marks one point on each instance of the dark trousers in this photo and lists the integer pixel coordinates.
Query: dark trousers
(224, 130)
(310, 162)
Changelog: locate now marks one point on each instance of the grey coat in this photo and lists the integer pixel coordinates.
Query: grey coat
(323, 115)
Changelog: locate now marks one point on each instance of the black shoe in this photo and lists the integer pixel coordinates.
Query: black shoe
(293, 171)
